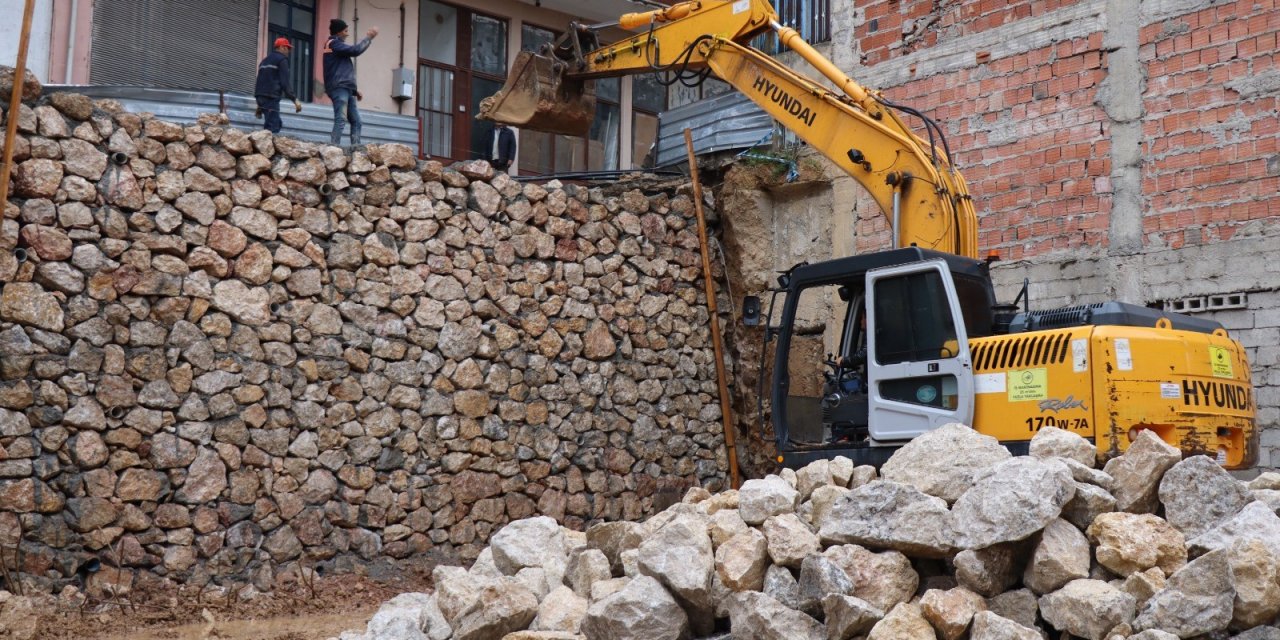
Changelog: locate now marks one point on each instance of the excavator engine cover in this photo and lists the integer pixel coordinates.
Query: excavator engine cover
(538, 96)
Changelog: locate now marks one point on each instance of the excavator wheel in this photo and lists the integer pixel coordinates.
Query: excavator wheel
(537, 96)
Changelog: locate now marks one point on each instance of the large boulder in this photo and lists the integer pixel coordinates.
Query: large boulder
(1017, 498)
(1087, 608)
(1197, 494)
(532, 542)
(760, 617)
(1256, 521)
(1196, 600)
(761, 499)
(991, 570)
(1256, 576)
(1052, 442)
(950, 612)
(499, 609)
(742, 560)
(1137, 473)
(848, 617)
(891, 515)
(790, 540)
(679, 556)
(1128, 542)
(642, 610)
(944, 462)
(989, 626)
(906, 621)
(1061, 555)
(882, 579)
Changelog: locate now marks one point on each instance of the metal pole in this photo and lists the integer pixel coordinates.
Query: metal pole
(725, 413)
(15, 100)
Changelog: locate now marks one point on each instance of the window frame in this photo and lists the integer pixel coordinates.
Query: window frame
(462, 79)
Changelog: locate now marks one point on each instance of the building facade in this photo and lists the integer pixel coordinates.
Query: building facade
(433, 60)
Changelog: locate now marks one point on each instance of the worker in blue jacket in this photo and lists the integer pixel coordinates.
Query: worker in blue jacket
(340, 78)
(272, 83)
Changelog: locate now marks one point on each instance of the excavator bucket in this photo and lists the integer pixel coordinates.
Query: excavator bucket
(537, 96)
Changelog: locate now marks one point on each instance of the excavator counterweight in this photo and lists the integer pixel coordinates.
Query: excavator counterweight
(538, 96)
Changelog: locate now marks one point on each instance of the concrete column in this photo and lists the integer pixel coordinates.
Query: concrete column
(625, 127)
(1121, 98)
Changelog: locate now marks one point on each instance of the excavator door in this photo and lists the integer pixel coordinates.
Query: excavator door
(538, 96)
(918, 359)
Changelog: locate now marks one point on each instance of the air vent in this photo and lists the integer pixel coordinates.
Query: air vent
(1021, 352)
(1059, 318)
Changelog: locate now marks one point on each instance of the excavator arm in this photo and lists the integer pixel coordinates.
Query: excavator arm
(911, 179)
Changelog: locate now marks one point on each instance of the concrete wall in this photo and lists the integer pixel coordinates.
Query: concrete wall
(1116, 149)
(41, 36)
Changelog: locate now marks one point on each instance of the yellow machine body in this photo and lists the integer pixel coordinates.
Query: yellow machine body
(1107, 383)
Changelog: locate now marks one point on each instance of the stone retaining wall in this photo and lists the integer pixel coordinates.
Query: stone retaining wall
(222, 353)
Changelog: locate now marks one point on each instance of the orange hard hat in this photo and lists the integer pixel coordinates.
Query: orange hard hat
(282, 42)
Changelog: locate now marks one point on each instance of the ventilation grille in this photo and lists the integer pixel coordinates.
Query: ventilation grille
(1059, 318)
(1021, 352)
(181, 44)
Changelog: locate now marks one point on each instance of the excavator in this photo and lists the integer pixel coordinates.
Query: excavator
(913, 335)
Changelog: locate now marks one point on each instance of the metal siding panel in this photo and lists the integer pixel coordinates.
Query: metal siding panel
(176, 43)
(721, 123)
(313, 124)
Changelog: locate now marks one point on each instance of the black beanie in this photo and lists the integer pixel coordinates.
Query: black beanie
(336, 26)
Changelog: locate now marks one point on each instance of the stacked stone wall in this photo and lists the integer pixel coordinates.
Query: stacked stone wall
(223, 353)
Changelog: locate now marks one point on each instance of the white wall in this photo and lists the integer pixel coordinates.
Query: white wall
(11, 34)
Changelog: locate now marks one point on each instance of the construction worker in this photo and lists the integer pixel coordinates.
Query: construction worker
(504, 147)
(273, 81)
(340, 78)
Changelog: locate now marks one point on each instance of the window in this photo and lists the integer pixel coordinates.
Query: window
(604, 136)
(296, 20)
(812, 18)
(912, 322)
(462, 59)
(648, 99)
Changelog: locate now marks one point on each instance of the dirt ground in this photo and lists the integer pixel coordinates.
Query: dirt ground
(323, 609)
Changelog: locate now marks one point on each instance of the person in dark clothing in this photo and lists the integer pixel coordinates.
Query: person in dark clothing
(340, 78)
(273, 82)
(504, 147)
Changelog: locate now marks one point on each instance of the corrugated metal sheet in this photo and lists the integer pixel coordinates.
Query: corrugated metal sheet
(314, 123)
(184, 44)
(721, 123)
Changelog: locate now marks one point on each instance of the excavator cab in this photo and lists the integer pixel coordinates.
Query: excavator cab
(538, 93)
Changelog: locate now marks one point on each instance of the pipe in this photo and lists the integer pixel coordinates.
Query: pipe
(116, 413)
(71, 41)
(792, 39)
(897, 212)
(119, 158)
(726, 414)
(15, 102)
(20, 255)
(325, 189)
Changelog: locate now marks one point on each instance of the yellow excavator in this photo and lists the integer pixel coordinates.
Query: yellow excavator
(913, 335)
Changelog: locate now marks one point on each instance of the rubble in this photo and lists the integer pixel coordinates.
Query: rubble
(1120, 576)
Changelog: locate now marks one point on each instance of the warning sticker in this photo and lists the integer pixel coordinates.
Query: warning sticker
(1028, 384)
(1079, 355)
(989, 383)
(1124, 357)
(1170, 390)
(740, 6)
(1220, 361)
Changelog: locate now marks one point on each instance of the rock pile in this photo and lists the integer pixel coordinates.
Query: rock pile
(987, 546)
(222, 353)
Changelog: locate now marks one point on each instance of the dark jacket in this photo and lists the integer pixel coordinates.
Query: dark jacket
(506, 145)
(273, 77)
(339, 70)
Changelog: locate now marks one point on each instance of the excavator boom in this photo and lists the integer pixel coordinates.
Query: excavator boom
(911, 179)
